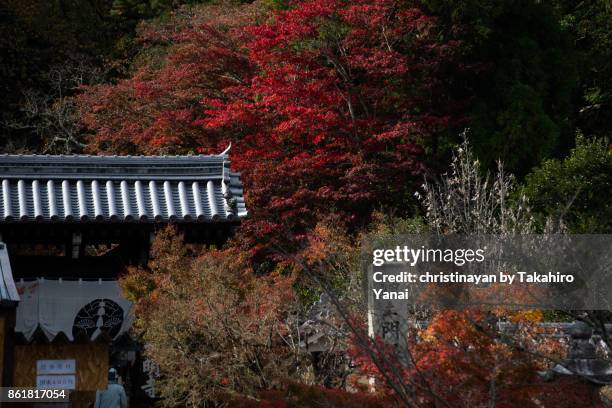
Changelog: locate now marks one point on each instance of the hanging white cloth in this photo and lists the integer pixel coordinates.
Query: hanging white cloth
(75, 308)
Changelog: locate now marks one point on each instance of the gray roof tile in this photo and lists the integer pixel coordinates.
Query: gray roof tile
(35, 188)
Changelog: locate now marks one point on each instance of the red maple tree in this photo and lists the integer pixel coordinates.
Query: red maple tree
(327, 105)
(462, 360)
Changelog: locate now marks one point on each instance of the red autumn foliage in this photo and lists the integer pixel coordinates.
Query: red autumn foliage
(183, 61)
(460, 360)
(325, 104)
(212, 326)
(301, 395)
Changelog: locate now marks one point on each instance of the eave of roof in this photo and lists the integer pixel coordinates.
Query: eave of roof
(38, 188)
(8, 291)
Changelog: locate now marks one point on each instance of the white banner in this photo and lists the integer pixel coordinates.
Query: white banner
(83, 309)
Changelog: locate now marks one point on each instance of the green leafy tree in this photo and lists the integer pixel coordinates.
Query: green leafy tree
(589, 23)
(142, 9)
(522, 82)
(575, 191)
(37, 40)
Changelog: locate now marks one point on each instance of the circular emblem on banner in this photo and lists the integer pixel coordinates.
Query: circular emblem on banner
(97, 317)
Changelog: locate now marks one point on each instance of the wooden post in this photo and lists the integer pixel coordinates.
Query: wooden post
(8, 345)
(77, 240)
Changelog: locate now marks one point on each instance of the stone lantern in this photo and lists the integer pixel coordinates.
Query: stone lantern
(582, 360)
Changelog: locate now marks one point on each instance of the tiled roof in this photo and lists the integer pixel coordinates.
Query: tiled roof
(81, 188)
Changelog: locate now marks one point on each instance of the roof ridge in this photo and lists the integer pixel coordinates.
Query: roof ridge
(114, 156)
